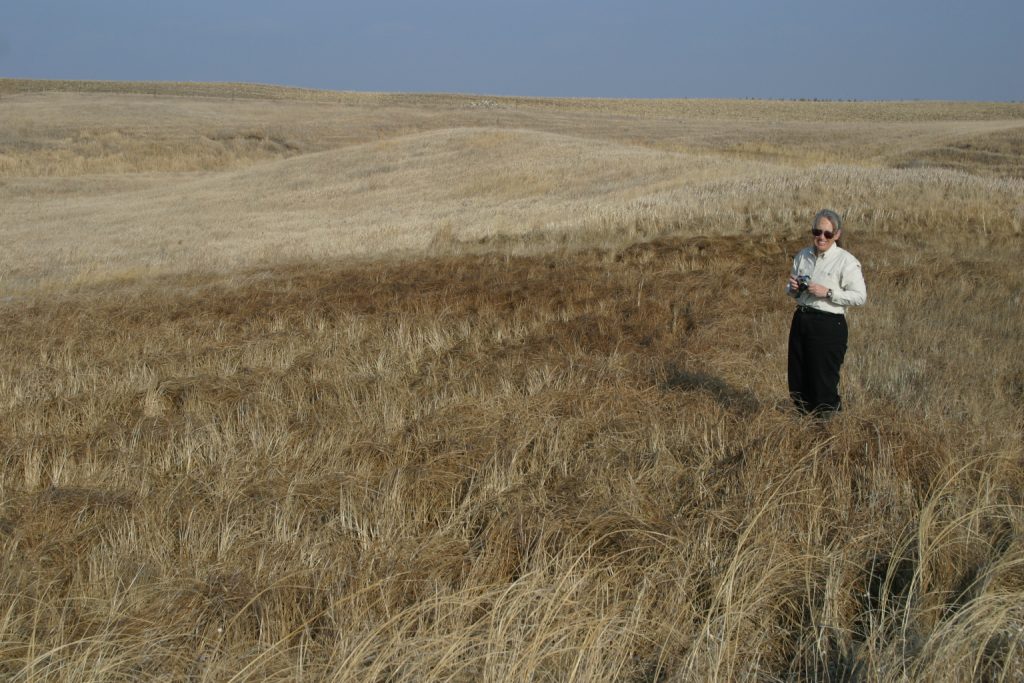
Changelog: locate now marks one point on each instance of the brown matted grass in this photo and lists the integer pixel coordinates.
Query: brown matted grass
(558, 453)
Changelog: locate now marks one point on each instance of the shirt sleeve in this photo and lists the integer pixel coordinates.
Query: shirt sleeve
(793, 271)
(852, 290)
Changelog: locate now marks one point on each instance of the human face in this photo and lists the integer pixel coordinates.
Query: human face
(821, 242)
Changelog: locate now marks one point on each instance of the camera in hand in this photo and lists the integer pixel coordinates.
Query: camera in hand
(802, 282)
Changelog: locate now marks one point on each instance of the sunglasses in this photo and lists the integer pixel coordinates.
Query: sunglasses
(818, 232)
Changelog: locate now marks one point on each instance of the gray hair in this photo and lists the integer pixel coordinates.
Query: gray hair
(832, 217)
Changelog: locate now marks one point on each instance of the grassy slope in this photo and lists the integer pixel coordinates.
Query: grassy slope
(99, 184)
(690, 108)
(554, 455)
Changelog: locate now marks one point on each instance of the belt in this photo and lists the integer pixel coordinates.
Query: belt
(801, 308)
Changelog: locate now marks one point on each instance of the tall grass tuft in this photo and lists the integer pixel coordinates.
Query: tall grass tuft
(571, 466)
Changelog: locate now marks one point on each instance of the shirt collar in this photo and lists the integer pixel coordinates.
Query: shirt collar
(829, 253)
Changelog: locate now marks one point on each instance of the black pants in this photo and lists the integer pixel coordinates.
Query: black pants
(817, 346)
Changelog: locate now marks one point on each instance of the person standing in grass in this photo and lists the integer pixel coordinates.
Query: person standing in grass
(825, 279)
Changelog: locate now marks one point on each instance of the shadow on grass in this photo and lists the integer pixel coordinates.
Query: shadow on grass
(727, 396)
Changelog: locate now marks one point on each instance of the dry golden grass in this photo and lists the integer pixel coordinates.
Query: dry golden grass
(996, 154)
(102, 185)
(715, 110)
(554, 448)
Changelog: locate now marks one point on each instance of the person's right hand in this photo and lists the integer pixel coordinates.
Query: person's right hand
(794, 286)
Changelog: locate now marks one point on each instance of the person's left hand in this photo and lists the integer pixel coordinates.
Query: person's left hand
(818, 290)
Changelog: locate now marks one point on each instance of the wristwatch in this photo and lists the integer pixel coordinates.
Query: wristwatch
(829, 295)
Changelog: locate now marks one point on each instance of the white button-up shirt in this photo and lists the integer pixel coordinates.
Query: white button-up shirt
(836, 269)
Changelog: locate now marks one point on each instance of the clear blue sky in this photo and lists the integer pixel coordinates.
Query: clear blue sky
(862, 49)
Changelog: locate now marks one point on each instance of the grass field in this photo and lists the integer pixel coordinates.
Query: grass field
(334, 386)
